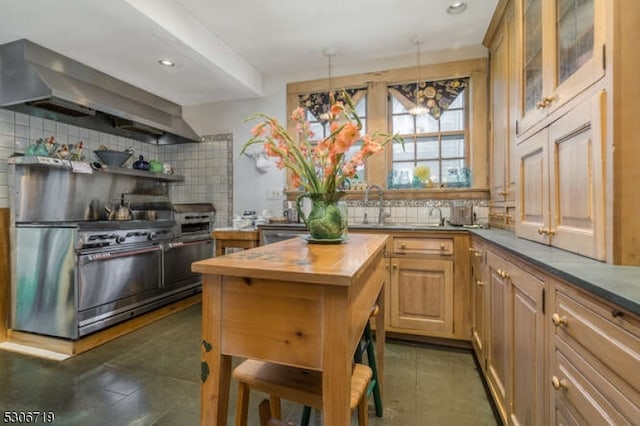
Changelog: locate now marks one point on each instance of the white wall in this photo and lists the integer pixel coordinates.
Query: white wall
(250, 186)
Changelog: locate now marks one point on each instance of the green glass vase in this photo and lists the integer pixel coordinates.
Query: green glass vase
(327, 219)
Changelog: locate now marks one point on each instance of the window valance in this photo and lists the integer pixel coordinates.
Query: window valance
(436, 96)
(318, 103)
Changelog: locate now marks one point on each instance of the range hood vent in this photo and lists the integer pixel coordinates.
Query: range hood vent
(61, 106)
(38, 81)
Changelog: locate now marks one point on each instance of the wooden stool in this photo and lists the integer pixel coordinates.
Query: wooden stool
(235, 238)
(294, 384)
(367, 345)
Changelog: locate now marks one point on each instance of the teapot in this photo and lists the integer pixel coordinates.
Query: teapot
(121, 212)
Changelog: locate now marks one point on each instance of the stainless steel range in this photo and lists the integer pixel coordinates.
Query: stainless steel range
(193, 242)
(75, 272)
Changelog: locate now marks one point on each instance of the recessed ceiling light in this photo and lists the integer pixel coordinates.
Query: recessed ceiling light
(456, 7)
(167, 62)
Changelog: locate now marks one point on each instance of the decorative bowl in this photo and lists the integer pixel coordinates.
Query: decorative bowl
(112, 158)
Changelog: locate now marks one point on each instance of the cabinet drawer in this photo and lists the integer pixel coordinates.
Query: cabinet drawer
(587, 389)
(423, 246)
(605, 332)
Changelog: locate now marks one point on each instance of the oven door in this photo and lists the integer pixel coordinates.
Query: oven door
(111, 284)
(178, 257)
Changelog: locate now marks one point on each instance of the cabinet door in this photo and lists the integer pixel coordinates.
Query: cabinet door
(532, 204)
(480, 302)
(499, 115)
(577, 53)
(533, 49)
(562, 53)
(499, 333)
(576, 176)
(527, 398)
(503, 114)
(422, 295)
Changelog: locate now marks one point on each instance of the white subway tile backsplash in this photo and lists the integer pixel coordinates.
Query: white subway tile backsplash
(49, 126)
(22, 119)
(36, 122)
(7, 128)
(35, 133)
(7, 115)
(21, 131)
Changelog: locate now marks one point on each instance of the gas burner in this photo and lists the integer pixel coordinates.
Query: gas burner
(125, 236)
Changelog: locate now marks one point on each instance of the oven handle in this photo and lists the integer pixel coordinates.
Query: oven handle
(171, 246)
(88, 258)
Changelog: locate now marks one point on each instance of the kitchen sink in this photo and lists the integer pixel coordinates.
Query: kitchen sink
(394, 226)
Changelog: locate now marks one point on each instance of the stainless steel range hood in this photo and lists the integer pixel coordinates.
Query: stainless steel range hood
(38, 81)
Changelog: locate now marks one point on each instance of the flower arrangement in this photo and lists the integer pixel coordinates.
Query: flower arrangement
(321, 167)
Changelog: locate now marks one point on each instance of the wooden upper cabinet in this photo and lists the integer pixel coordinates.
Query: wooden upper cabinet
(561, 186)
(502, 131)
(563, 43)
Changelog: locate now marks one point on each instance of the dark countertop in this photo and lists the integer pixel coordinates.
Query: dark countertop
(614, 283)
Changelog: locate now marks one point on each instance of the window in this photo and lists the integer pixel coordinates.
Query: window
(321, 130)
(439, 144)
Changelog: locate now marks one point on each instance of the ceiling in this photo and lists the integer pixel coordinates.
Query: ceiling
(222, 49)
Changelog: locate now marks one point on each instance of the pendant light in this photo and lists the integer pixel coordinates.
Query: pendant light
(329, 52)
(418, 108)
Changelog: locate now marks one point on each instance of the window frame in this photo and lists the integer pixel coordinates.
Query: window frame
(378, 118)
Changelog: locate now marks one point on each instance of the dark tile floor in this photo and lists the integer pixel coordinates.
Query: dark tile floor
(151, 377)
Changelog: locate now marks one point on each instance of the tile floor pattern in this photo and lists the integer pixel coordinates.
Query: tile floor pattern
(151, 377)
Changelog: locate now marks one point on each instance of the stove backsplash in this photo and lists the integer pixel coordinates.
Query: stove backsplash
(205, 166)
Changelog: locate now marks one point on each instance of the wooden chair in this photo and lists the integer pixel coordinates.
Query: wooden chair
(293, 384)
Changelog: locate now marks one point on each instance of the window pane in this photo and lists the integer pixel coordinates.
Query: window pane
(434, 168)
(451, 168)
(397, 107)
(317, 130)
(425, 123)
(452, 146)
(452, 120)
(428, 148)
(363, 131)
(402, 124)
(361, 107)
(458, 102)
(399, 154)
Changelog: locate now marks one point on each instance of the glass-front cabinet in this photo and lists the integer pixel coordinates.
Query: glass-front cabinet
(562, 54)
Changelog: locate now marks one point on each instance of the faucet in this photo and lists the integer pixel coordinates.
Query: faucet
(381, 213)
(441, 220)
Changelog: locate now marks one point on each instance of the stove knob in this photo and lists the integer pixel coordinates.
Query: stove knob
(152, 236)
(120, 239)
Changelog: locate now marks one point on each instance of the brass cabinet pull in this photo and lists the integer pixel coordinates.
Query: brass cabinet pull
(558, 383)
(557, 320)
(442, 246)
(503, 274)
(545, 102)
(403, 246)
(475, 252)
(503, 193)
(394, 266)
(541, 231)
(480, 283)
(551, 232)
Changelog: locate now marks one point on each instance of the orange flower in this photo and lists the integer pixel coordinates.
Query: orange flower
(258, 129)
(297, 114)
(347, 137)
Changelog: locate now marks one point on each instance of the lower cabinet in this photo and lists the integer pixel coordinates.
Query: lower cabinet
(515, 338)
(594, 359)
(551, 353)
(422, 295)
(429, 293)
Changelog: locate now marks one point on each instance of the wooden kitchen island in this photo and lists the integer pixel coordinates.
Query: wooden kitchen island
(292, 303)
